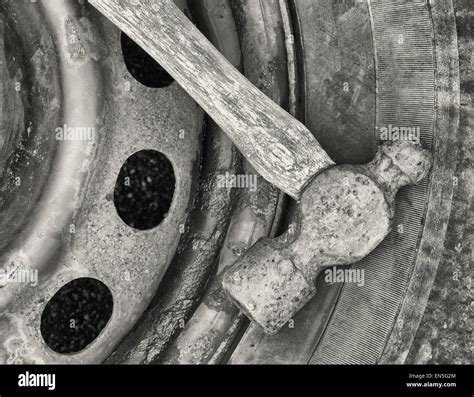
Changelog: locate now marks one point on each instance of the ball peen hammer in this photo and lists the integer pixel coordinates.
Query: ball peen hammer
(343, 212)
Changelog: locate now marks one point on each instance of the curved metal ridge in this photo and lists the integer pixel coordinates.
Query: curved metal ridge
(76, 231)
(214, 325)
(446, 130)
(198, 251)
(368, 317)
(324, 36)
(39, 241)
(337, 76)
(28, 147)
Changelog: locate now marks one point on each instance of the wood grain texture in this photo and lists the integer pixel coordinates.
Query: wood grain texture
(279, 147)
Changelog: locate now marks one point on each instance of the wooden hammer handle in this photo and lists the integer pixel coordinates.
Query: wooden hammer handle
(279, 147)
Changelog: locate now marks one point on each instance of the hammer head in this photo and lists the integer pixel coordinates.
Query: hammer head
(267, 286)
(343, 214)
(399, 163)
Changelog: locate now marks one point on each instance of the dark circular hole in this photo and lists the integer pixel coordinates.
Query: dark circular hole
(142, 66)
(76, 315)
(144, 189)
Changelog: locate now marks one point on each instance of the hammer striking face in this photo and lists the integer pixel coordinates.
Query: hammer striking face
(343, 214)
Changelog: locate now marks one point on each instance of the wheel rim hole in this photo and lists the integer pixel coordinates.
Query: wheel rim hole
(144, 189)
(142, 66)
(76, 315)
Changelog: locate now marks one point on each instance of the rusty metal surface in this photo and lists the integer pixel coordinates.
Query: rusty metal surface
(342, 216)
(213, 327)
(445, 332)
(187, 321)
(440, 193)
(296, 343)
(375, 312)
(25, 78)
(194, 262)
(86, 236)
(336, 76)
(316, 46)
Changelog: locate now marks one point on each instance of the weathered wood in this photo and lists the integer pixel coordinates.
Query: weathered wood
(279, 147)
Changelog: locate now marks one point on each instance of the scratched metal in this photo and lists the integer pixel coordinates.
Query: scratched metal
(74, 230)
(365, 317)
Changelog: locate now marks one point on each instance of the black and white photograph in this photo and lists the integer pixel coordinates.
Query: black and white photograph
(273, 185)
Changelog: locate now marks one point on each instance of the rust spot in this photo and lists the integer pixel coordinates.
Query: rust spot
(82, 42)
